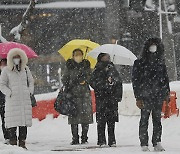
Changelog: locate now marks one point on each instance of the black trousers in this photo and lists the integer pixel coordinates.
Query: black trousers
(101, 126)
(5, 131)
(143, 126)
(74, 130)
(22, 133)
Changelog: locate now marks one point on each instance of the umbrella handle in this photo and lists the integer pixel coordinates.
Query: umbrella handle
(86, 53)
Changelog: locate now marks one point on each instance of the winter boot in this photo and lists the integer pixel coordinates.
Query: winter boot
(84, 140)
(22, 144)
(158, 147)
(75, 141)
(13, 142)
(145, 148)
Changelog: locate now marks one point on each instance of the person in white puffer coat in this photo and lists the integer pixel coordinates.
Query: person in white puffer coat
(13, 83)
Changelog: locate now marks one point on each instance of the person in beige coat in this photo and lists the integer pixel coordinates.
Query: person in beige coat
(13, 83)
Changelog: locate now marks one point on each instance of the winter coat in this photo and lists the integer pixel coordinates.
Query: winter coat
(13, 83)
(76, 82)
(149, 76)
(107, 95)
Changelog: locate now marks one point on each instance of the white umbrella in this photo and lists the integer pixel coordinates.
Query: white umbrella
(119, 54)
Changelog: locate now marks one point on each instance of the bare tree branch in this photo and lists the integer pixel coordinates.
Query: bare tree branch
(17, 31)
(2, 39)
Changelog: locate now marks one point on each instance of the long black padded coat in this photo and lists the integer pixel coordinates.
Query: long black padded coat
(149, 76)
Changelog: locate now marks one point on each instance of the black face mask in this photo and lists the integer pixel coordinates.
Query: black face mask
(106, 62)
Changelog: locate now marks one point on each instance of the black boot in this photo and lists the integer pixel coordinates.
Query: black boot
(22, 144)
(75, 138)
(13, 142)
(84, 140)
(75, 141)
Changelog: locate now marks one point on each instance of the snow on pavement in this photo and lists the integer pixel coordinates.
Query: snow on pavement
(54, 134)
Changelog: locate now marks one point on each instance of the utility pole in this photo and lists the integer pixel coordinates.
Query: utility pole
(161, 33)
(160, 12)
(160, 19)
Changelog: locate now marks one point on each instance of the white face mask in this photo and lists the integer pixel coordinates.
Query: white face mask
(16, 61)
(153, 48)
(78, 59)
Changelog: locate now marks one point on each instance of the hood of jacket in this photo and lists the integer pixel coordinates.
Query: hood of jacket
(158, 55)
(14, 52)
(102, 65)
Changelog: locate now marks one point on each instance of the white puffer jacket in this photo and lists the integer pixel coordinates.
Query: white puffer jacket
(18, 110)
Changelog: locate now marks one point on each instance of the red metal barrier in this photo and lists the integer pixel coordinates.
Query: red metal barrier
(46, 107)
(171, 108)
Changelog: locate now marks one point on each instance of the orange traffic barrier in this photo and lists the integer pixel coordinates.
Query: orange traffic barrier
(171, 108)
(46, 107)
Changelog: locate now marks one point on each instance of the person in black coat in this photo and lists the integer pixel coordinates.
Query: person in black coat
(151, 88)
(3, 63)
(76, 83)
(107, 84)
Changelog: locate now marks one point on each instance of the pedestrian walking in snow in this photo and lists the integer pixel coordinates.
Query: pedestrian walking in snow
(107, 84)
(76, 83)
(13, 83)
(3, 63)
(151, 88)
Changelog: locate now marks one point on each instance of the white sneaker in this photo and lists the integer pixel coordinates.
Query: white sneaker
(145, 148)
(113, 145)
(102, 145)
(6, 141)
(159, 147)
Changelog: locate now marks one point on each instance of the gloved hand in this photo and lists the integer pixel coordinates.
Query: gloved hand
(110, 81)
(140, 104)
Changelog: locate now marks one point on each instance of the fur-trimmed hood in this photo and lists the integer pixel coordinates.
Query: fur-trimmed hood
(14, 52)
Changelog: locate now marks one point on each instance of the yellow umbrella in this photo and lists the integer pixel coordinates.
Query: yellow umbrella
(84, 45)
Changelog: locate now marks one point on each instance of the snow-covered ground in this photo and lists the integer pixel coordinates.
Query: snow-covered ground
(54, 134)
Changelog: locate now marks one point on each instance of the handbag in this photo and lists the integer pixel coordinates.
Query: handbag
(32, 97)
(64, 104)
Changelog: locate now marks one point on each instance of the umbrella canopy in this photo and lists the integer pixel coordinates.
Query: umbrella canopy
(85, 45)
(119, 54)
(6, 46)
